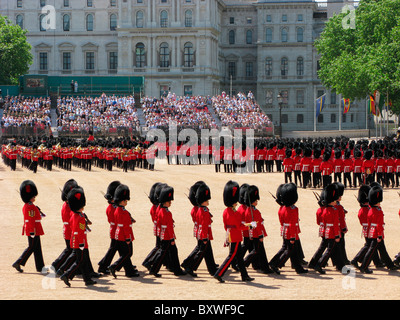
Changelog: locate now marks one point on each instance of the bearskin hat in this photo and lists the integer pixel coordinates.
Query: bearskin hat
(253, 194)
(111, 190)
(243, 193)
(203, 194)
(289, 194)
(368, 154)
(192, 192)
(331, 193)
(76, 198)
(68, 186)
(121, 193)
(166, 194)
(278, 197)
(363, 194)
(375, 195)
(340, 188)
(27, 190)
(231, 193)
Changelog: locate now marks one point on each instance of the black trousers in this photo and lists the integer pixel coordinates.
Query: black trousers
(167, 249)
(125, 251)
(63, 256)
(35, 247)
(81, 264)
(257, 255)
(331, 251)
(235, 252)
(205, 252)
(374, 246)
(359, 257)
(288, 250)
(107, 259)
(148, 261)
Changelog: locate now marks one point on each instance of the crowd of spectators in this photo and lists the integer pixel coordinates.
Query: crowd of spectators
(184, 111)
(240, 111)
(99, 114)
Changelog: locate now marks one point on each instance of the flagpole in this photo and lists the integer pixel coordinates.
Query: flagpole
(366, 114)
(339, 114)
(387, 112)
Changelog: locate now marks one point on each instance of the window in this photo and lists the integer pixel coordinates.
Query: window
(284, 67)
(269, 97)
(139, 19)
(300, 118)
(113, 61)
(164, 55)
(231, 20)
(268, 67)
(188, 54)
(66, 3)
(300, 96)
(89, 60)
(139, 1)
(113, 3)
(249, 37)
(188, 18)
(333, 118)
(300, 33)
(43, 61)
(333, 97)
(232, 69)
(269, 18)
(299, 17)
(163, 1)
(42, 22)
(188, 90)
(300, 66)
(232, 37)
(284, 17)
(164, 19)
(249, 69)
(66, 61)
(89, 22)
(140, 55)
(284, 35)
(19, 3)
(89, 3)
(285, 96)
(42, 3)
(66, 22)
(113, 22)
(321, 118)
(268, 35)
(344, 118)
(285, 118)
(19, 21)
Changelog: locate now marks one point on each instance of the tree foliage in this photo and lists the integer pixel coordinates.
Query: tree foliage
(357, 61)
(15, 52)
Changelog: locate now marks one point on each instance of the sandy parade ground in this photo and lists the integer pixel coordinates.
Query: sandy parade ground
(382, 284)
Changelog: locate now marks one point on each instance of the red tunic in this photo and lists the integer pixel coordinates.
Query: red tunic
(233, 225)
(305, 164)
(375, 223)
(66, 216)
(165, 223)
(363, 218)
(153, 214)
(288, 164)
(242, 210)
(78, 227)
(338, 165)
(330, 219)
(253, 214)
(326, 168)
(110, 211)
(123, 221)
(32, 220)
(204, 221)
(290, 220)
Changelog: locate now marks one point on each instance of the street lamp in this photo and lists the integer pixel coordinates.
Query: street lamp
(280, 102)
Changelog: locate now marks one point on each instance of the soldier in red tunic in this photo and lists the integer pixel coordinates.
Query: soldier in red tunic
(32, 227)
(375, 231)
(368, 167)
(357, 168)
(106, 261)
(123, 233)
(326, 169)
(233, 226)
(288, 166)
(77, 201)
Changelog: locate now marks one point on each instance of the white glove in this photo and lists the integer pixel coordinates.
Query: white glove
(254, 224)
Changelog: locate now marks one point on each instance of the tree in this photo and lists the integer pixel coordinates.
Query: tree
(15, 52)
(357, 61)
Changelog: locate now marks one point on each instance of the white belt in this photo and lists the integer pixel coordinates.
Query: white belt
(66, 222)
(37, 220)
(286, 224)
(120, 225)
(373, 224)
(329, 225)
(112, 223)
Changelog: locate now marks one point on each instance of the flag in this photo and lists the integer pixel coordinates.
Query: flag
(320, 102)
(372, 106)
(346, 105)
(379, 103)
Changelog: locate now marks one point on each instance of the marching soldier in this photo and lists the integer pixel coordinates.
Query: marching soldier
(32, 227)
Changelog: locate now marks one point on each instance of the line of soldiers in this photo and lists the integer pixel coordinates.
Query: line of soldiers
(64, 154)
(244, 228)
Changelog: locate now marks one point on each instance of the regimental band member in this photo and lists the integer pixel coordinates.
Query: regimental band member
(77, 202)
(107, 259)
(123, 233)
(32, 227)
(233, 226)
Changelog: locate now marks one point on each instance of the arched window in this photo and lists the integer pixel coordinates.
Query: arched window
(113, 22)
(19, 21)
(284, 35)
(188, 54)
(300, 33)
(164, 19)
(249, 37)
(89, 22)
(300, 66)
(66, 22)
(188, 18)
(268, 67)
(164, 55)
(232, 37)
(140, 55)
(284, 67)
(268, 34)
(42, 22)
(139, 19)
